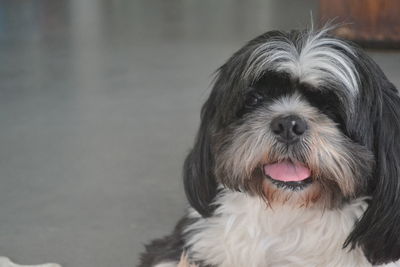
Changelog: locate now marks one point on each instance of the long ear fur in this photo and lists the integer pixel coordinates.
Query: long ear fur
(378, 231)
(199, 178)
(198, 173)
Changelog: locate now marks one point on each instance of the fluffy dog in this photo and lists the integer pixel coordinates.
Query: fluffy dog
(296, 162)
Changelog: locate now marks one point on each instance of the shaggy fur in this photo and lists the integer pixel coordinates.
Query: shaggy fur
(294, 236)
(348, 211)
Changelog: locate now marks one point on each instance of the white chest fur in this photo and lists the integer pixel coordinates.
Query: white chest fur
(244, 232)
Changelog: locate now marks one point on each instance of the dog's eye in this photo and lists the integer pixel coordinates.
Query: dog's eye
(253, 100)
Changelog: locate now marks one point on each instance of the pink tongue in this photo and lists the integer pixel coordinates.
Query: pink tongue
(287, 172)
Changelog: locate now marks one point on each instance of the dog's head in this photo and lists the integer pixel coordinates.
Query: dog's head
(308, 120)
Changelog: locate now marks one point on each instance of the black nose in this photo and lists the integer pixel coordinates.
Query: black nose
(289, 128)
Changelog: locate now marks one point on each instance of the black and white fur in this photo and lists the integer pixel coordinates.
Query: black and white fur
(348, 216)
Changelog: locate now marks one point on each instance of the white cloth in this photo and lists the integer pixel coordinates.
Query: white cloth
(6, 262)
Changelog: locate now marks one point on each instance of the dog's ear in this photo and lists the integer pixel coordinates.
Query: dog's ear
(198, 173)
(378, 231)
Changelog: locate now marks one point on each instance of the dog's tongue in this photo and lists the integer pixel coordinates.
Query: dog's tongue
(287, 171)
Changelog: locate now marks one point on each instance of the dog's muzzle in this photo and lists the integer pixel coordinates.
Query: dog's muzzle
(288, 129)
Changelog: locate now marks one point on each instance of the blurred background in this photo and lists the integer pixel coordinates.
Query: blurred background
(99, 104)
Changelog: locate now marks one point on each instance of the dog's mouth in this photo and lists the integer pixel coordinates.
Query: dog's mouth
(288, 175)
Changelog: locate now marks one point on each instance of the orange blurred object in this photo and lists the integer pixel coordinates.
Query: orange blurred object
(368, 22)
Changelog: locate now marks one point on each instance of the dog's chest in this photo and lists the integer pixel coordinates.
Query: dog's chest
(245, 232)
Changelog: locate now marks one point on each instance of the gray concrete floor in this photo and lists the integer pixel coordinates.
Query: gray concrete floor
(99, 103)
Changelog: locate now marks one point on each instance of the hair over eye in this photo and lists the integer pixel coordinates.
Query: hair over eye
(253, 99)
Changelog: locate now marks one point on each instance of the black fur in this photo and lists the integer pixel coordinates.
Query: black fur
(374, 124)
(378, 126)
(198, 177)
(168, 248)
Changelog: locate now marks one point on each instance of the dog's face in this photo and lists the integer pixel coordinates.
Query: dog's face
(287, 141)
(308, 120)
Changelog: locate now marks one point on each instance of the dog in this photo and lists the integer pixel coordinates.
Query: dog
(296, 162)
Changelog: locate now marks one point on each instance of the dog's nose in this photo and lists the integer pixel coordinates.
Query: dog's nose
(289, 128)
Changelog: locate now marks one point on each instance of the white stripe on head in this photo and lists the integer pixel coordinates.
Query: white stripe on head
(313, 58)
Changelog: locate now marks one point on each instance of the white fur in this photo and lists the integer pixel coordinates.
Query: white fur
(183, 262)
(167, 264)
(311, 59)
(245, 232)
(393, 264)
